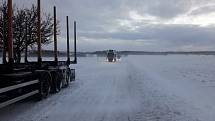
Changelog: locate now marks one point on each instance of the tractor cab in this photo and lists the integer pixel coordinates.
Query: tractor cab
(111, 56)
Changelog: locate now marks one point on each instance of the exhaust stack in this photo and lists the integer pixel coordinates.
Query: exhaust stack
(10, 34)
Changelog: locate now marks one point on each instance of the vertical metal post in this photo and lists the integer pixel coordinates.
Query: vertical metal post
(68, 52)
(10, 34)
(75, 49)
(39, 32)
(26, 42)
(55, 36)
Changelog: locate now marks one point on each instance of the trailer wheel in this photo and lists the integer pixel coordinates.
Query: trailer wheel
(55, 81)
(72, 74)
(45, 84)
(59, 83)
(67, 77)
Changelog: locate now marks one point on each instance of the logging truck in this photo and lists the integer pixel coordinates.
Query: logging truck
(40, 78)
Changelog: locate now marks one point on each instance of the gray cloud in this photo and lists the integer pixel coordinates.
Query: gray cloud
(203, 10)
(173, 35)
(164, 9)
(99, 23)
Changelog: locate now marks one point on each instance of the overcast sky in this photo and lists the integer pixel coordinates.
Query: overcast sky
(150, 25)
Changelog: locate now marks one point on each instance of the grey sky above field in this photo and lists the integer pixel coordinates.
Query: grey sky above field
(151, 25)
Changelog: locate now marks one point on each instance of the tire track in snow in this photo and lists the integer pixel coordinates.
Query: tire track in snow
(155, 104)
(108, 92)
(107, 96)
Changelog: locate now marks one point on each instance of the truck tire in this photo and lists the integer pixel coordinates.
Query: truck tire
(67, 77)
(55, 81)
(44, 84)
(72, 75)
(59, 83)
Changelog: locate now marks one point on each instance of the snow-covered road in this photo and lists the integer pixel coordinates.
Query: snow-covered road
(137, 88)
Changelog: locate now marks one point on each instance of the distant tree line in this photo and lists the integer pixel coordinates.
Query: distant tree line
(25, 28)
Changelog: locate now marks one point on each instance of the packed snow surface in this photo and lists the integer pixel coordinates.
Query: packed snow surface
(136, 88)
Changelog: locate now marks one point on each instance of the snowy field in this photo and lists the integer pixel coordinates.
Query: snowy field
(137, 88)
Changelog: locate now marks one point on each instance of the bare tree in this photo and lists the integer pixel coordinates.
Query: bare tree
(1, 32)
(3, 26)
(25, 28)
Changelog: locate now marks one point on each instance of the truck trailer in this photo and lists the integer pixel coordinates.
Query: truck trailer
(40, 78)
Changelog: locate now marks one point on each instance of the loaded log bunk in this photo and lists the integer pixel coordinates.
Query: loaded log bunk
(38, 79)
